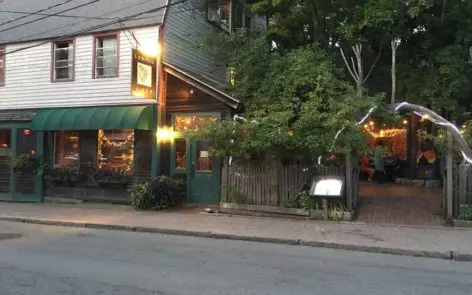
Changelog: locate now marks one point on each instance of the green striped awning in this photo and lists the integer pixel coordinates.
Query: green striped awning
(93, 118)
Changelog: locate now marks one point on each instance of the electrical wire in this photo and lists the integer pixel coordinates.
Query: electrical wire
(39, 11)
(28, 37)
(44, 17)
(97, 27)
(50, 14)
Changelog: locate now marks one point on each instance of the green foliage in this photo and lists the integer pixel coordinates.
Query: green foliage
(303, 201)
(294, 102)
(238, 197)
(465, 212)
(26, 163)
(159, 194)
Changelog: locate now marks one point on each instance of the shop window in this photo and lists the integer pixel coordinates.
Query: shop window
(26, 142)
(192, 123)
(5, 138)
(66, 149)
(180, 153)
(116, 150)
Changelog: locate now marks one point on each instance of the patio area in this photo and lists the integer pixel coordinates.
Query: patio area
(400, 205)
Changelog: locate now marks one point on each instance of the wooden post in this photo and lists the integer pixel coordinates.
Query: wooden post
(349, 181)
(324, 203)
(274, 183)
(449, 177)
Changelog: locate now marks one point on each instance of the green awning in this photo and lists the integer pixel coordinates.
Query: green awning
(93, 118)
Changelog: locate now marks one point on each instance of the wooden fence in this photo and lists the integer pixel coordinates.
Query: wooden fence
(274, 184)
(462, 190)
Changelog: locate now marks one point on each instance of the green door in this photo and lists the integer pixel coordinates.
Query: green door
(204, 174)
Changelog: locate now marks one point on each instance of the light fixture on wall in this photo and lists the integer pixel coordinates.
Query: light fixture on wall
(164, 133)
(191, 92)
(150, 48)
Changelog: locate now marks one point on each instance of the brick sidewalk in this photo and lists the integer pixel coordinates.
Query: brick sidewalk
(419, 241)
(400, 205)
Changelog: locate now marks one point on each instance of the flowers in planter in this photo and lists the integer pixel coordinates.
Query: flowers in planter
(113, 176)
(65, 174)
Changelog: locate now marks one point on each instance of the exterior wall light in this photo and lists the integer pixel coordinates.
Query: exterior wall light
(164, 134)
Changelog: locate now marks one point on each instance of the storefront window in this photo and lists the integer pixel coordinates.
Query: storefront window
(5, 138)
(191, 123)
(26, 142)
(116, 150)
(67, 149)
(180, 153)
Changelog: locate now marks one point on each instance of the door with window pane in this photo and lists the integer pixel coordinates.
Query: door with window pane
(204, 174)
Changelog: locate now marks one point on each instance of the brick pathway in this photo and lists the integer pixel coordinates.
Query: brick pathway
(402, 205)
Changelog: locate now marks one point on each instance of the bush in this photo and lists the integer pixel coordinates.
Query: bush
(160, 194)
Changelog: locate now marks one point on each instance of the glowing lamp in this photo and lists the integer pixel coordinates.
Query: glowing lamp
(164, 134)
(371, 123)
(405, 122)
(150, 48)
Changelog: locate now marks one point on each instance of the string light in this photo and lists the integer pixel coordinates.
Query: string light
(105, 142)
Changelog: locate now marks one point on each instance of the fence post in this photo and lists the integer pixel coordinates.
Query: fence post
(274, 183)
(449, 177)
(349, 181)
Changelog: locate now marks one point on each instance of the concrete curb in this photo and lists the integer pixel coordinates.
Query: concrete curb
(448, 255)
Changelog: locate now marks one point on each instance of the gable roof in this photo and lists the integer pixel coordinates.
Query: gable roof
(205, 85)
(91, 13)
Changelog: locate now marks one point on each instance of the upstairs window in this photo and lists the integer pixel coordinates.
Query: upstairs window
(229, 15)
(219, 13)
(106, 56)
(63, 61)
(2, 66)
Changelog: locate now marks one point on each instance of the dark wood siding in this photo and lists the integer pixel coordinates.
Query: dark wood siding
(185, 28)
(143, 155)
(26, 144)
(179, 99)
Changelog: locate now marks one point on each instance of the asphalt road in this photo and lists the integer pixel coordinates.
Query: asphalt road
(55, 260)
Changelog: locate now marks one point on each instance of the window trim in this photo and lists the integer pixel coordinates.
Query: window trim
(94, 60)
(3, 57)
(54, 164)
(53, 61)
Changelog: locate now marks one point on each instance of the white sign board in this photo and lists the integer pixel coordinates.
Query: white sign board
(327, 187)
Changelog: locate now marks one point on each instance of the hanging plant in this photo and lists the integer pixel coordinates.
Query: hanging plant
(26, 163)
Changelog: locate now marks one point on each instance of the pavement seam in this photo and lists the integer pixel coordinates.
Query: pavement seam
(448, 255)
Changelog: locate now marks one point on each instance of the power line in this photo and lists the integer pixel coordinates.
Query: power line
(98, 27)
(39, 11)
(79, 22)
(61, 15)
(44, 17)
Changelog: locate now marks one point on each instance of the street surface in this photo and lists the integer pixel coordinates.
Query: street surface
(37, 260)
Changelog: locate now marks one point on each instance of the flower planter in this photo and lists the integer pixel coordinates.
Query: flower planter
(107, 180)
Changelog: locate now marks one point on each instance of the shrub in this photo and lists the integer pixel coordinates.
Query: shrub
(159, 194)
(465, 212)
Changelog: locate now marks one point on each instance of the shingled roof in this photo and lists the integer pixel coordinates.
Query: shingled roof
(91, 13)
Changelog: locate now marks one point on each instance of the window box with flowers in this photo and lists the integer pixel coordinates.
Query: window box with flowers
(65, 175)
(109, 176)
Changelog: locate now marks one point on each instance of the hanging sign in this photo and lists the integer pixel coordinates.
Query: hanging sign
(144, 75)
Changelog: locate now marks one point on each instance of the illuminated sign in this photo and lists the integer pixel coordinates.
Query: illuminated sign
(144, 75)
(329, 186)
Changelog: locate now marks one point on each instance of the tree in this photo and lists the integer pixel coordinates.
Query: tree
(295, 103)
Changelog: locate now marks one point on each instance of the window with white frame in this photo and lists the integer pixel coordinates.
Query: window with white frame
(63, 63)
(2, 66)
(106, 56)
